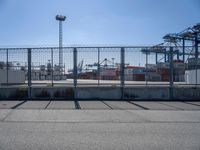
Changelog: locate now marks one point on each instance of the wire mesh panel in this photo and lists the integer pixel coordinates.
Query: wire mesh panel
(3, 67)
(135, 70)
(192, 71)
(17, 67)
(68, 67)
(41, 66)
(158, 68)
(101, 66)
(57, 69)
(146, 66)
(3, 58)
(179, 65)
(87, 66)
(109, 62)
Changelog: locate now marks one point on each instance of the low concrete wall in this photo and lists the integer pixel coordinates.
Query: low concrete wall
(99, 93)
(103, 93)
(52, 93)
(183, 93)
(146, 93)
(13, 93)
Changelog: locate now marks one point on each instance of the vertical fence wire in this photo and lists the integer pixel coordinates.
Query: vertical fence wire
(52, 69)
(7, 66)
(146, 69)
(98, 69)
(171, 73)
(122, 67)
(29, 74)
(75, 72)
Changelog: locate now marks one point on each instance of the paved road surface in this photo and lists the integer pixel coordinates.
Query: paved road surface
(101, 125)
(93, 105)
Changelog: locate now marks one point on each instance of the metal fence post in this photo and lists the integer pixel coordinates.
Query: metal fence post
(75, 71)
(146, 72)
(7, 67)
(196, 73)
(165, 55)
(171, 72)
(122, 67)
(196, 57)
(98, 69)
(52, 67)
(178, 55)
(183, 50)
(75, 67)
(75, 75)
(29, 74)
(156, 57)
(168, 57)
(196, 47)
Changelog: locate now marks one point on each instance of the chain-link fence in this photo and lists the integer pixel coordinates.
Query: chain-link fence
(99, 66)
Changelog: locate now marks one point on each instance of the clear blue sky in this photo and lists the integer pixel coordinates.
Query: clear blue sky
(94, 22)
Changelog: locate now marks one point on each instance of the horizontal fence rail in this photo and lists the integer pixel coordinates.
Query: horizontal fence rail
(99, 66)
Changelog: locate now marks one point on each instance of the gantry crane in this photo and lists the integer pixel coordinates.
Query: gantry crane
(178, 40)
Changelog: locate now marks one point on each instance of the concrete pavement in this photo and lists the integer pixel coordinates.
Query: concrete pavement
(111, 116)
(99, 125)
(22, 129)
(93, 105)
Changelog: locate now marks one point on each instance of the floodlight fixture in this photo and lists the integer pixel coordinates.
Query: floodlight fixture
(60, 17)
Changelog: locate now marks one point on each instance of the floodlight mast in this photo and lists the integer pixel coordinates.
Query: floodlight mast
(60, 18)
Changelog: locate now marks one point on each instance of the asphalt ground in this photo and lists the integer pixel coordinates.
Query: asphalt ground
(102, 105)
(99, 125)
(46, 129)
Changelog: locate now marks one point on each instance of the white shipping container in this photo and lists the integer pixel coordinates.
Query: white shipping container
(14, 76)
(192, 76)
